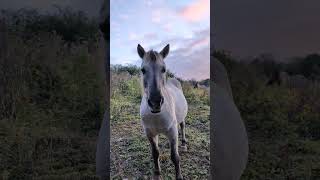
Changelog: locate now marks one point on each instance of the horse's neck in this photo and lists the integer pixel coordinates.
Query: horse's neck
(220, 76)
(166, 92)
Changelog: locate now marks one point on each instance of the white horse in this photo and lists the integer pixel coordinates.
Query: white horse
(163, 106)
(230, 139)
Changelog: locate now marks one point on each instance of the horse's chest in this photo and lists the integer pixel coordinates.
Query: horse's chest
(161, 121)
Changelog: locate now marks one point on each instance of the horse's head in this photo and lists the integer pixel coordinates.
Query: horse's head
(153, 73)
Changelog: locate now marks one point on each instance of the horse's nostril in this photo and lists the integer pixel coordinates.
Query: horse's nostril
(155, 102)
(149, 103)
(162, 99)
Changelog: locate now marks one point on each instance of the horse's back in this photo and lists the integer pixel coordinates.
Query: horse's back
(180, 102)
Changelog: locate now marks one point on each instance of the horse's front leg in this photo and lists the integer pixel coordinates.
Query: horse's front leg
(173, 138)
(153, 139)
(183, 134)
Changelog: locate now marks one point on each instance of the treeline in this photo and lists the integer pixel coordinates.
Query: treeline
(71, 25)
(134, 70)
(266, 64)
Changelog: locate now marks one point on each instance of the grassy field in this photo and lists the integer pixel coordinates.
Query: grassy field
(130, 152)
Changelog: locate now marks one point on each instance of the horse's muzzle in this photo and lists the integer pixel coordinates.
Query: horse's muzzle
(155, 104)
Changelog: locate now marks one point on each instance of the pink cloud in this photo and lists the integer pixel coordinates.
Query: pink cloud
(200, 42)
(196, 11)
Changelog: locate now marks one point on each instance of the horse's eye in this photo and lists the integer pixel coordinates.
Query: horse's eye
(163, 70)
(143, 70)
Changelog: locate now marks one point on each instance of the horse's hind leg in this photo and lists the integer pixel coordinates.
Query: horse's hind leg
(153, 139)
(183, 133)
(173, 138)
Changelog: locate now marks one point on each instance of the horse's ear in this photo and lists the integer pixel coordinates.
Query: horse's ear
(165, 51)
(141, 51)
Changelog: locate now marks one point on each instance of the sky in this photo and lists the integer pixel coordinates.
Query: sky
(284, 28)
(185, 25)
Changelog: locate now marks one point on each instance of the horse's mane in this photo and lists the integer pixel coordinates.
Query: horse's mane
(152, 55)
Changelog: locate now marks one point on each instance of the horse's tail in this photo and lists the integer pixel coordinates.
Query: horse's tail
(175, 82)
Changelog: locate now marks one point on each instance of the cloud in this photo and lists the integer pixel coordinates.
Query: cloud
(156, 16)
(202, 40)
(189, 58)
(148, 2)
(133, 36)
(167, 27)
(197, 40)
(165, 24)
(142, 37)
(197, 11)
(195, 65)
(186, 64)
(150, 36)
(175, 43)
(166, 17)
(161, 14)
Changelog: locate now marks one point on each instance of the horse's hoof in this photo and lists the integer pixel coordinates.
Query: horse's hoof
(183, 148)
(156, 177)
